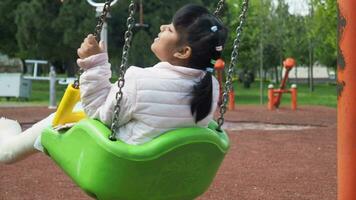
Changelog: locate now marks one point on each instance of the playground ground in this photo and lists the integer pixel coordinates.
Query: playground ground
(281, 162)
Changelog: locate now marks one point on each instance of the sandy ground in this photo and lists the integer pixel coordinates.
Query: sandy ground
(261, 164)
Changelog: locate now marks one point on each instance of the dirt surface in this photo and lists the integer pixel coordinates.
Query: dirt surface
(261, 164)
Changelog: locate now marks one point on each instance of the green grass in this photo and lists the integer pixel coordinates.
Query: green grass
(40, 91)
(39, 95)
(324, 94)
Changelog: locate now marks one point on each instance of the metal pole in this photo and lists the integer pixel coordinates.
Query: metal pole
(346, 87)
(52, 88)
(35, 68)
(104, 35)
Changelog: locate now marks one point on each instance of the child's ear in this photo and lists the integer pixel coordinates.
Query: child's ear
(184, 52)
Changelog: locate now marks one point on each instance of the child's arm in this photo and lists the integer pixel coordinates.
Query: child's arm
(98, 95)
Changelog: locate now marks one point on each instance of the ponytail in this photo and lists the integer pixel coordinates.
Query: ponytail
(202, 97)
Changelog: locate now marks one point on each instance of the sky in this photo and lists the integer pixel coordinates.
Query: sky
(299, 7)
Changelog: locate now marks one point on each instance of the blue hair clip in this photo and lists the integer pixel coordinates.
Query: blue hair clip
(214, 28)
(209, 69)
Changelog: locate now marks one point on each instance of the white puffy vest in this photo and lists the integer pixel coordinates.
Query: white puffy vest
(155, 99)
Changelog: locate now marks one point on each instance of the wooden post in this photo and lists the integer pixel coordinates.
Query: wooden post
(231, 99)
(219, 67)
(346, 87)
(294, 97)
(270, 97)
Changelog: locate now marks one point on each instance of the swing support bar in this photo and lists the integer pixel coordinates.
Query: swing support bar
(346, 86)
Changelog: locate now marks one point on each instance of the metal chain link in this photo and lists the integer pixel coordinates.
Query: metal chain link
(219, 8)
(102, 18)
(121, 82)
(97, 31)
(234, 56)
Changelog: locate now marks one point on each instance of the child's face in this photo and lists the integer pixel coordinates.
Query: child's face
(166, 44)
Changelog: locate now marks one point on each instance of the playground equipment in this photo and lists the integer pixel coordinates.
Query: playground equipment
(33, 67)
(231, 99)
(103, 26)
(65, 113)
(275, 95)
(346, 87)
(180, 164)
(219, 68)
(141, 23)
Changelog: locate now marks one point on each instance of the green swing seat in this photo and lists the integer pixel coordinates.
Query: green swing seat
(178, 165)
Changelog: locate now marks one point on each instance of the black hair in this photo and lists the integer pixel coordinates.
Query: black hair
(205, 34)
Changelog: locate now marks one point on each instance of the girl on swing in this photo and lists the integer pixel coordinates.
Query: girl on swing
(177, 92)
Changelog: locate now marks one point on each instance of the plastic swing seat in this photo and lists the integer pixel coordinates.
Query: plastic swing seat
(178, 165)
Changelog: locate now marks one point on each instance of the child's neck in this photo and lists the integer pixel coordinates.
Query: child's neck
(179, 62)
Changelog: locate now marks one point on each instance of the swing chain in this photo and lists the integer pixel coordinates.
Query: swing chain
(219, 8)
(122, 69)
(97, 31)
(102, 19)
(234, 56)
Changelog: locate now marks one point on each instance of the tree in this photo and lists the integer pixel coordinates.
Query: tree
(257, 28)
(35, 35)
(323, 31)
(141, 50)
(75, 20)
(53, 31)
(297, 46)
(8, 28)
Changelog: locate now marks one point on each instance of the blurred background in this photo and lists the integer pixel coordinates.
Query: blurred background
(39, 35)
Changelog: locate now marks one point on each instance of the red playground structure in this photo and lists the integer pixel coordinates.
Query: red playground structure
(275, 95)
(219, 68)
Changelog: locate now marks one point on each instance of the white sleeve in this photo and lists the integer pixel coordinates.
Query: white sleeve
(98, 94)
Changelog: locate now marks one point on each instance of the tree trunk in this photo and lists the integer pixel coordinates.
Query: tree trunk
(310, 74)
(261, 71)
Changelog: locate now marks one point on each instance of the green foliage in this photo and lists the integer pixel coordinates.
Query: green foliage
(323, 26)
(271, 29)
(47, 29)
(35, 35)
(76, 19)
(141, 50)
(52, 30)
(8, 28)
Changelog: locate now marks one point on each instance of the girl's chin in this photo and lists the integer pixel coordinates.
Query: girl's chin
(153, 48)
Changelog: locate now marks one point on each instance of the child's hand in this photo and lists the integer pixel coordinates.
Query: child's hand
(90, 47)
